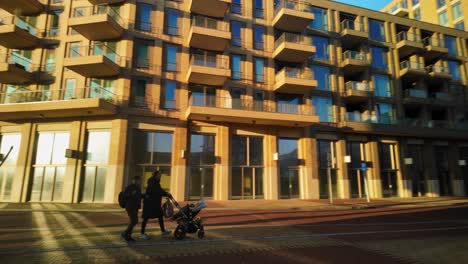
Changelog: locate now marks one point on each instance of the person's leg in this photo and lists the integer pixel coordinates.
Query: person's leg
(133, 217)
(161, 224)
(143, 225)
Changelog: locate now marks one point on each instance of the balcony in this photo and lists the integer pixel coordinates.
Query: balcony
(415, 97)
(27, 104)
(208, 70)
(435, 48)
(442, 98)
(357, 91)
(106, 2)
(400, 9)
(97, 22)
(408, 44)
(247, 111)
(212, 8)
(16, 69)
(295, 81)
(292, 16)
(411, 70)
(22, 7)
(209, 34)
(353, 32)
(95, 61)
(439, 72)
(293, 48)
(354, 62)
(15, 33)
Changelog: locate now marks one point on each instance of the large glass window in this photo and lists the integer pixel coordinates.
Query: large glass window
(259, 35)
(326, 159)
(141, 51)
(236, 6)
(236, 66)
(202, 161)
(323, 107)
(457, 11)
(356, 150)
(382, 85)
(320, 18)
(322, 46)
(258, 9)
(171, 58)
(454, 69)
(139, 93)
(443, 18)
(322, 75)
(143, 17)
(49, 166)
(385, 113)
(153, 151)
(376, 30)
(259, 70)
(440, 3)
(169, 94)
(379, 58)
(460, 25)
(172, 22)
(451, 45)
(288, 166)
(95, 167)
(9, 145)
(236, 33)
(388, 169)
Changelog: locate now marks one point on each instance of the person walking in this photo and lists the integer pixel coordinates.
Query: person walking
(132, 197)
(152, 204)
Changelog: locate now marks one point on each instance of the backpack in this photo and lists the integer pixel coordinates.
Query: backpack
(122, 199)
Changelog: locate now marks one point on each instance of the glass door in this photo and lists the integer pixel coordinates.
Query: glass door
(289, 171)
(416, 170)
(9, 143)
(355, 149)
(388, 169)
(201, 183)
(442, 170)
(246, 183)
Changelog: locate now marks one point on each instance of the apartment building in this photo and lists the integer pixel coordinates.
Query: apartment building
(230, 99)
(449, 13)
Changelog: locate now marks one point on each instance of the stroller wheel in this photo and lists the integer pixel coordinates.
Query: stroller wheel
(201, 234)
(179, 233)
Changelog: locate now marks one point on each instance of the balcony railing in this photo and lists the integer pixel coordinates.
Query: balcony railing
(294, 38)
(438, 69)
(411, 65)
(357, 86)
(354, 55)
(370, 118)
(28, 96)
(416, 93)
(438, 124)
(14, 20)
(401, 5)
(297, 73)
(441, 96)
(95, 50)
(352, 25)
(436, 42)
(206, 22)
(19, 60)
(97, 10)
(401, 36)
(291, 5)
(249, 105)
(209, 61)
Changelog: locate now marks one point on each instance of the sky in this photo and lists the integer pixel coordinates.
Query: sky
(371, 4)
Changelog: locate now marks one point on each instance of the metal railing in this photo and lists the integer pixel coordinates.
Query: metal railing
(413, 122)
(212, 61)
(357, 86)
(95, 50)
(293, 5)
(297, 73)
(400, 5)
(412, 65)
(29, 96)
(249, 105)
(294, 38)
(87, 11)
(206, 22)
(436, 42)
(354, 55)
(352, 25)
(437, 124)
(403, 35)
(18, 60)
(370, 118)
(14, 20)
(416, 93)
(438, 69)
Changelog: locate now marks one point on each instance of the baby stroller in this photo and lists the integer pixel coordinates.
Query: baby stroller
(186, 222)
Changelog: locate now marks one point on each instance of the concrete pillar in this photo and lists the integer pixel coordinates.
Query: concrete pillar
(309, 182)
(180, 154)
(221, 174)
(374, 173)
(271, 180)
(73, 167)
(115, 173)
(430, 171)
(342, 177)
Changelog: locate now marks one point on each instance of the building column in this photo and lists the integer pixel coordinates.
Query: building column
(117, 148)
(309, 182)
(222, 172)
(71, 180)
(19, 189)
(271, 180)
(180, 154)
(404, 171)
(430, 171)
(342, 177)
(374, 175)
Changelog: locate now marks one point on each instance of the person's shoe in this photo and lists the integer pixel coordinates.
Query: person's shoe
(144, 237)
(125, 237)
(165, 233)
(130, 239)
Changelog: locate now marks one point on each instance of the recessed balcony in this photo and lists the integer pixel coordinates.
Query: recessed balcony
(293, 48)
(295, 81)
(292, 16)
(400, 9)
(208, 70)
(19, 104)
(408, 44)
(106, 2)
(22, 7)
(415, 97)
(357, 91)
(16, 69)
(353, 32)
(412, 71)
(212, 8)
(209, 34)
(248, 111)
(442, 98)
(354, 62)
(95, 61)
(15, 33)
(435, 48)
(97, 22)
(439, 72)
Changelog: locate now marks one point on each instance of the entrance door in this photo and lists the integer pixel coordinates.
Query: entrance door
(289, 183)
(389, 184)
(246, 183)
(416, 170)
(355, 149)
(201, 183)
(441, 162)
(388, 169)
(289, 171)
(356, 183)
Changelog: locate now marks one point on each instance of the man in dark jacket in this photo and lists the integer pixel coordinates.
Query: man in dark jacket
(132, 196)
(152, 203)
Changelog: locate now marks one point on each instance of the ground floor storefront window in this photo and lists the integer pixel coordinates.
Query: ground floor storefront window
(9, 145)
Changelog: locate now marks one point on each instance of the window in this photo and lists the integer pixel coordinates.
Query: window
(379, 58)
(322, 75)
(102, 88)
(172, 22)
(258, 9)
(460, 25)
(440, 3)
(143, 17)
(443, 18)
(142, 53)
(169, 94)
(171, 58)
(49, 166)
(70, 86)
(236, 7)
(259, 70)
(415, 2)
(322, 46)
(382, 85)
(376, 30)
(203, 95)
(384, 113)
(457, 11)
(321, 18)
(259, 32)
(236, 67)
(54, 24)
(454, 69)
(417, 14)
(451, 45)
(7, 172)
(95, 167)
(324, 108)
(236, 33)
(139, 92)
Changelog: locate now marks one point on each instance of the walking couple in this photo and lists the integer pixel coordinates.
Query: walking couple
(151, 205)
